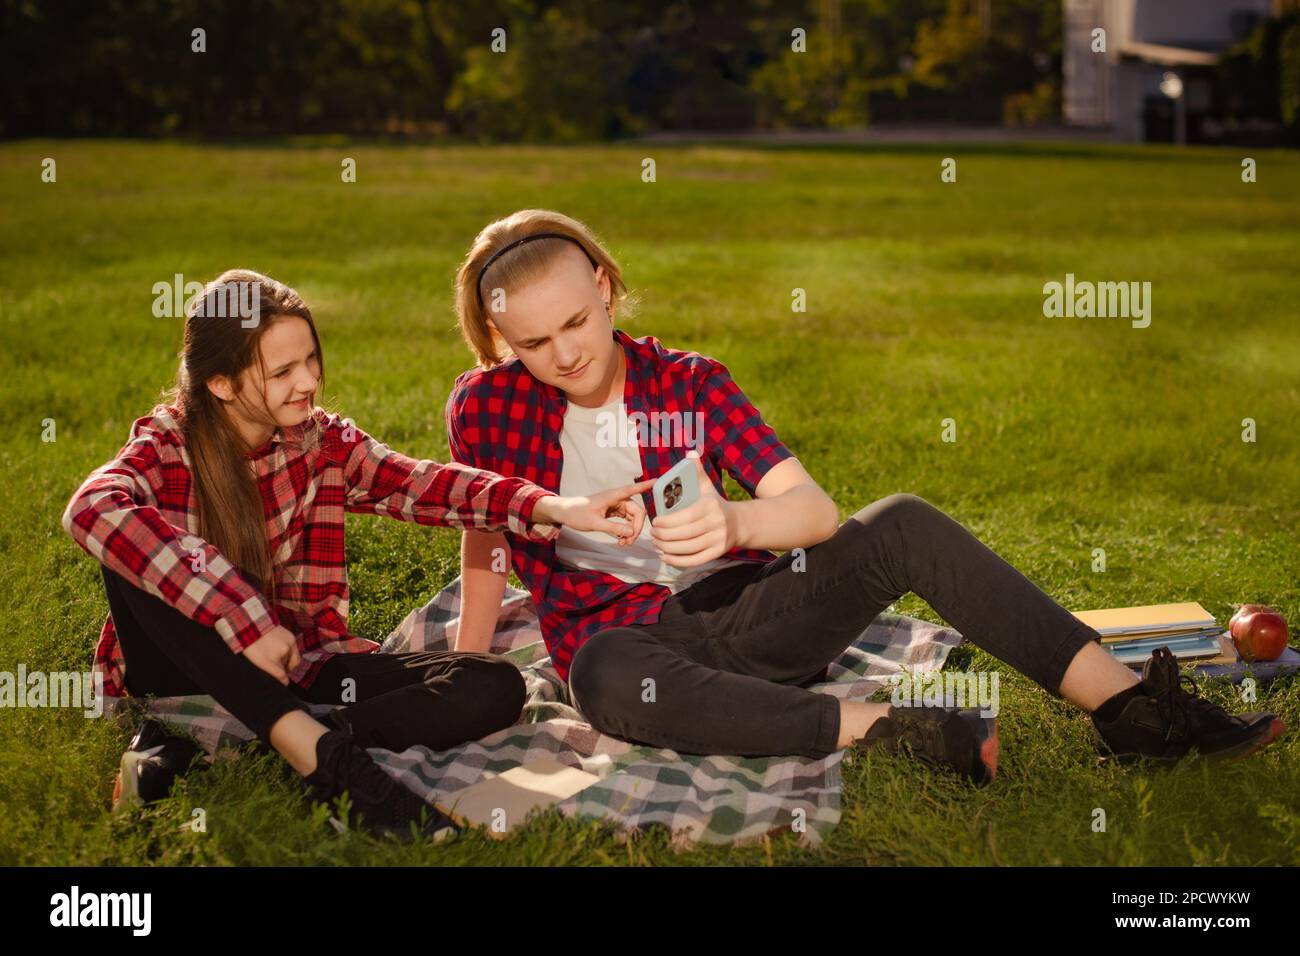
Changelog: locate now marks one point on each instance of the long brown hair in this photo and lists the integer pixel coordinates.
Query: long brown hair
(217, 342)
(518, 267)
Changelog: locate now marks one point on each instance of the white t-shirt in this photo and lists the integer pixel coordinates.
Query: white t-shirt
(600, 453)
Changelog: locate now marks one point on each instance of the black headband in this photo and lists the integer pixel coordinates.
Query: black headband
(510, 245)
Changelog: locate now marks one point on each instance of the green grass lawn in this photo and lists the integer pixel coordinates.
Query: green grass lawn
(924, 302)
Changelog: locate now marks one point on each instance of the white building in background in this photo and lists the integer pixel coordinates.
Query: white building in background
(1146, 41)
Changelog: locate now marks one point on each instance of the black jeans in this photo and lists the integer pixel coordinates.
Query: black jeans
(435, 699)
(728, 655)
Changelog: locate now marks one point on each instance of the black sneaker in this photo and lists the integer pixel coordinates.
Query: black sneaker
(1169, 721)
(151, 764)
(956, 739)
(381, 804)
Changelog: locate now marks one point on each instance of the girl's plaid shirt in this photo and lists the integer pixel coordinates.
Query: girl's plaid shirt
(505, 420)
(138, 516)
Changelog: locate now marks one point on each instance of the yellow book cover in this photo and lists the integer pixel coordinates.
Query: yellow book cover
(1148, 619)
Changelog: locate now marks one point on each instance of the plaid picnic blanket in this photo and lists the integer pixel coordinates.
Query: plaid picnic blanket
(704, 799)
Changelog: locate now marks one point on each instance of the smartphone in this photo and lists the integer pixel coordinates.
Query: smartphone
(676, 488)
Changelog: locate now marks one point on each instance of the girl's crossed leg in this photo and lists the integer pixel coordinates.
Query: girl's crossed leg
(393, 701)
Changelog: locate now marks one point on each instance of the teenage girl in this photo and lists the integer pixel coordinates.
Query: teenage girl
(695, 636)
(220, 529)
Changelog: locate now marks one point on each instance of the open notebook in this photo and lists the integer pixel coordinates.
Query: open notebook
(501, 803)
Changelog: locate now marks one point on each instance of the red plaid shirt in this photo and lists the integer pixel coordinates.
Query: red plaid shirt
(137, 515)
(504, 420)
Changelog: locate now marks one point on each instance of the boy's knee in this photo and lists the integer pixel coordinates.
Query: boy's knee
(901, 508)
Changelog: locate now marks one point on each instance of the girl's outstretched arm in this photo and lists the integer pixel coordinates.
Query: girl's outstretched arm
(382, 481)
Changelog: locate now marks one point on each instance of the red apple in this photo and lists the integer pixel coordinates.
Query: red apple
(1234, 625)
(1258, 632)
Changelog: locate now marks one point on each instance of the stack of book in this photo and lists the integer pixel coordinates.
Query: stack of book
(1188, 630)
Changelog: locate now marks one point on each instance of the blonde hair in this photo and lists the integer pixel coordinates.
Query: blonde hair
(517, 268)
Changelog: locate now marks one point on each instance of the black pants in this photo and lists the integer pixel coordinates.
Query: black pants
(435, 699)
(720, 672)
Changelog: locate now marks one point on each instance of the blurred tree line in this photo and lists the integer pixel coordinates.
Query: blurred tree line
(519, 69)
(570, 69)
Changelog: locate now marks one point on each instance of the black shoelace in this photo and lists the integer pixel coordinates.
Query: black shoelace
(1173, 702)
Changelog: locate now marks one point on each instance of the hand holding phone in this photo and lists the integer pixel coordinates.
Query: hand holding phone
(694, 523)
(675, 490)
